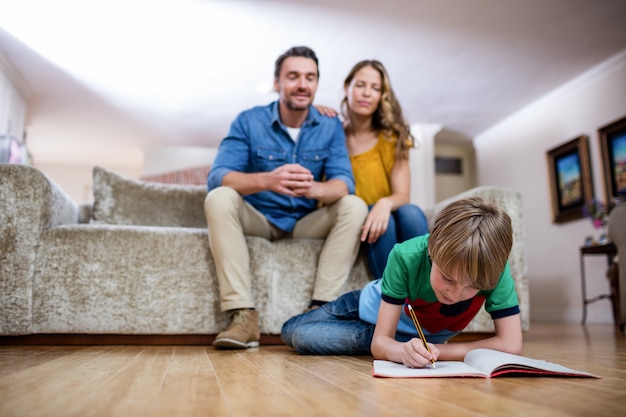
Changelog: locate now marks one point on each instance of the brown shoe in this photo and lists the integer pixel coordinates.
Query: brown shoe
(243, 332)
(313, 307)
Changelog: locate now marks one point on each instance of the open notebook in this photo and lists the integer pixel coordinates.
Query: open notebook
(479, 363)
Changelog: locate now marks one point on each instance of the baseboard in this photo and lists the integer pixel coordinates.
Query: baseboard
(120, 339)
(126, 339)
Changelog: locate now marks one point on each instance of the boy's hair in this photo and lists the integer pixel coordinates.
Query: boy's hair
(471, 241)
(301, 51)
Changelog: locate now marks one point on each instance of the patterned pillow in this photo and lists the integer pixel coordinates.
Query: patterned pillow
(119, 200)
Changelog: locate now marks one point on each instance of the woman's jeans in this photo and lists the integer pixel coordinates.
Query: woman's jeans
(332, 329)
(406, 222)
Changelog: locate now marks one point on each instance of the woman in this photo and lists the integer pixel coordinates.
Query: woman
(379, 140)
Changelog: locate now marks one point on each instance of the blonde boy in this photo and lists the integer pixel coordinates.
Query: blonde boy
(446, 276)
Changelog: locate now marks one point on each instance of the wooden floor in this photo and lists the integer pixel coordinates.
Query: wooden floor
(273, 381)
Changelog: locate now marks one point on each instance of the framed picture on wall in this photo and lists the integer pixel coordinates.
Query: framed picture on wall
(570, 179)
(613, 149)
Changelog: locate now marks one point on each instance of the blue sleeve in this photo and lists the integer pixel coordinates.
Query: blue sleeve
(233, 153)
(338, 166)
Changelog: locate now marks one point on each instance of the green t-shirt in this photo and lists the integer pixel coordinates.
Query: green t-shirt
(407, 280)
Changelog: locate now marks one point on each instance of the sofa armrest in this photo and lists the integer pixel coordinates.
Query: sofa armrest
(511, 201)
(29, 204)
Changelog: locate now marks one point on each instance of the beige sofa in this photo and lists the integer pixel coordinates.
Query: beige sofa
(137, 261)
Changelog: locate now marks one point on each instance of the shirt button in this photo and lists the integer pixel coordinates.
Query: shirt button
(271, 157)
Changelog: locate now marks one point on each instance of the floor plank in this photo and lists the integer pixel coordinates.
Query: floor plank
(179, 380)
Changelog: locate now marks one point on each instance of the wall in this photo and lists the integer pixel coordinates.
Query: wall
(12, 109)
(68, 137)
(512, 154)
(422, 164)
(160, 159)
(12, 102)
(448, 185)
(75, 175)
(67, 142)
(76, 178)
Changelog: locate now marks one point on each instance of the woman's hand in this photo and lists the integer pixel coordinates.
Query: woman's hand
(377, 221)
(327, 111)
(415, 355)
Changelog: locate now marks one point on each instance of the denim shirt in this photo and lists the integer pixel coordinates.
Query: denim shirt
(259, 142)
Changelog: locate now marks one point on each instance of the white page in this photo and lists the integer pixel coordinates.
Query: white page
(444, 368)
(487, 360)
(478, 363)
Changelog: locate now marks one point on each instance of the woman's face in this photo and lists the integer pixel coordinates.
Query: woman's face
(364, 91)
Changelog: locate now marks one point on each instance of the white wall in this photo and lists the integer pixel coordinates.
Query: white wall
(12, 102)
(512, 154)
(449, 185)
(76, 178)
(74, 174)
(160, 159)
(422, 163)
(67, 141)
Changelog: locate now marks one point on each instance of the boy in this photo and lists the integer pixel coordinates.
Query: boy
(445, 276)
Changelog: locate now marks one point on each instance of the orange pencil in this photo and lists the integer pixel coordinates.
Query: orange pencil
(420, 332)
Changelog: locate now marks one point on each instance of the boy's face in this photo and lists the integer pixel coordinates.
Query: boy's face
(449, 289)
(297, 82)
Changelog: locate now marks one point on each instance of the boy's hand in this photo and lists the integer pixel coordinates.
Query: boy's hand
(415, 355)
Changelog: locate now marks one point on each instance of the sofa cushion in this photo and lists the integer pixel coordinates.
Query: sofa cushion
(119, 200)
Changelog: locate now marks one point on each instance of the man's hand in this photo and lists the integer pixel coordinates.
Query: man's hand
(290, 179)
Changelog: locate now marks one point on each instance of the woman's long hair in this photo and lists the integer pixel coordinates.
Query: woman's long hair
(388, 116)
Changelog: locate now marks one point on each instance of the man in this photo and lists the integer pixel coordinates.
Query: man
(272, 171)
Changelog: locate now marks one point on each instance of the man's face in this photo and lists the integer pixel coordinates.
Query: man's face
(297, 82)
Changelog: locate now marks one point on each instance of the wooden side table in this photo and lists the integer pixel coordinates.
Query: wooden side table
(609, 250)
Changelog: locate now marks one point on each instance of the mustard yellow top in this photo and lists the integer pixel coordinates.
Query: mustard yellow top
(372, 170)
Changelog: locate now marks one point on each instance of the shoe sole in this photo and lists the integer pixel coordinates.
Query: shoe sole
(226, 343)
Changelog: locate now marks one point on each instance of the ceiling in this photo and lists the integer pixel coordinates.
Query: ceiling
(183, 69)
